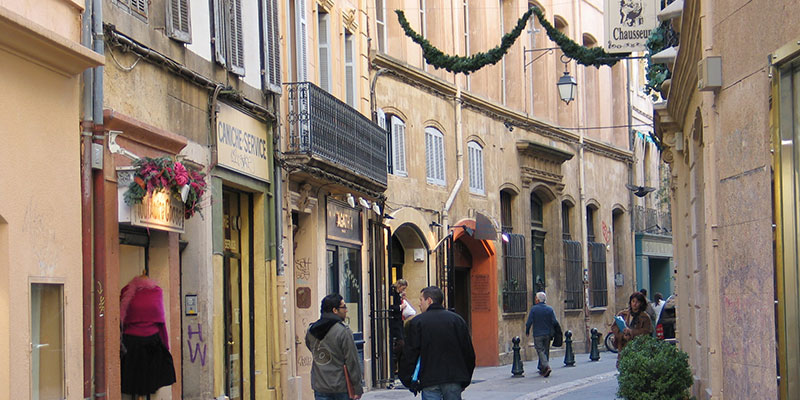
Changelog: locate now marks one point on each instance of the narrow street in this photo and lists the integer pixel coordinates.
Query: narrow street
(587, 380)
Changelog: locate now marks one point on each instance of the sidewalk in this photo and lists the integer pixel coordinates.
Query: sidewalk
(593, 380)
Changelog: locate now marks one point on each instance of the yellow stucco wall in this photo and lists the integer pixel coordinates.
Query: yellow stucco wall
(40, 204)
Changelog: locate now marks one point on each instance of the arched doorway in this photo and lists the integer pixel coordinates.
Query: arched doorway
(409, 259)
(462, 264)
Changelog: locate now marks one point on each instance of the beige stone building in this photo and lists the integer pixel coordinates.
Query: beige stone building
(498, 151)
(41, 59)
(729, 125)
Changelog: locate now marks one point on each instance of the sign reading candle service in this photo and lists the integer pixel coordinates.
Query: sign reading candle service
(242, 143)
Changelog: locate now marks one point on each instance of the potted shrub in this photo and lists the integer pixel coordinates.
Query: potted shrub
(653, 369)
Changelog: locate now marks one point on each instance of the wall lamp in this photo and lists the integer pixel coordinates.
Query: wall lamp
(566, 84)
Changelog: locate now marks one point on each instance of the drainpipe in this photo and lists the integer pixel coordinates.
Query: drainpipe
(99, 214)
(459, 161)
(86, 204)
(631, 139)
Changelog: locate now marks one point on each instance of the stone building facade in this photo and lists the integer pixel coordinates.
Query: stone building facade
(498, 189)
(730, 141)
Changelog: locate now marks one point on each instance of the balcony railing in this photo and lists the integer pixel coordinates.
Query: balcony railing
(650, 220)
(323, 126)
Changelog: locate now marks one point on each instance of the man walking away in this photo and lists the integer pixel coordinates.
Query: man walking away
(440, 340)
(331, 343)
(543, 321)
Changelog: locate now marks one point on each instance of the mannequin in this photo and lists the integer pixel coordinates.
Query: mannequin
(146, 361)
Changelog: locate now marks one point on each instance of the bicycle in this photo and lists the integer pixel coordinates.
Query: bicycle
(609, 341)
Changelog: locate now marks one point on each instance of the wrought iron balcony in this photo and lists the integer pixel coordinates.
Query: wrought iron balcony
(650, 220)
(325, 128)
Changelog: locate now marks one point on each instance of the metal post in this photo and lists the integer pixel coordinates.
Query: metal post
(594, 355)
(569, 355)
(517, 370)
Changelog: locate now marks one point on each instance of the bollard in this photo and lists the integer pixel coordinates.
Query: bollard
(594, 354)
(569, 356)
(516, 367)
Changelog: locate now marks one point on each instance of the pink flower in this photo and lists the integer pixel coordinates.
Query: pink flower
(181, 175)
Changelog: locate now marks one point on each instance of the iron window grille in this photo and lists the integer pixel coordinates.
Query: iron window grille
(515, 286)
(573, 293)
(598, 289)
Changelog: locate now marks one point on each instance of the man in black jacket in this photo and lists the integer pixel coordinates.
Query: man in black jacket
(440, 340)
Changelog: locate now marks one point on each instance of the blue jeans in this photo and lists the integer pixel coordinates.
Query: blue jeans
(330, 396)
(445, 391)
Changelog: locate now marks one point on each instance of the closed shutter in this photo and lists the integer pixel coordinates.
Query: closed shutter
(301, 40)
(429, 156)
(381, 116)
(219, 32)
(380, 22)
(475, 168)
(235, 37)
(272, 76)
(178, 22)
(399, 148)
(440, 158)
(434, 153)
(139, 7)
(349, 70)
(324, 53)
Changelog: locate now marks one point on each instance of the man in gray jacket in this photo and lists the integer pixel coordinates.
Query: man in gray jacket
(331, 343)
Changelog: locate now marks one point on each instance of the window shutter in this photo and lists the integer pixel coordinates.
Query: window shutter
(349, 70)
(272, 76)
(301, 41)
(399, 148)
(219, 32)
(235, 37)
(380, 22)
(440, 157)
(429, 157)
(139, 7)
(324, 53)
(481, 175)
(473, 184)
(178, 23)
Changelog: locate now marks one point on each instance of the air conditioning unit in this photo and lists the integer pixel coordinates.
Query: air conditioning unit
(709, 73)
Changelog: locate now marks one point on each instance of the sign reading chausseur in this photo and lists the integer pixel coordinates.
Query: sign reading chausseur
(628, 24)
(242, 143)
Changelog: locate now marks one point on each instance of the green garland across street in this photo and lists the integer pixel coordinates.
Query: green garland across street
(594, 56)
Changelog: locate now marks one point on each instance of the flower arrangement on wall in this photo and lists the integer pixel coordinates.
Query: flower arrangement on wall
(164, 173)
(589, 56)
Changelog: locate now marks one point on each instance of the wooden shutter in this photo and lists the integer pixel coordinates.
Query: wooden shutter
(219, 32)
(399, 146)
(235, 36)
(324, 52)
(301, 40)
(434, 151)
(439, 157)
(139, 7)
(349, 70)
(272, 75)
(178, 21)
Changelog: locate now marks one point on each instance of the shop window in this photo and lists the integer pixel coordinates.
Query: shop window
(344, 277)
(47, 341)
(434, 155)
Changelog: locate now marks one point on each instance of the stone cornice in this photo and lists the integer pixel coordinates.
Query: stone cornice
(34, 42)
(683, 84)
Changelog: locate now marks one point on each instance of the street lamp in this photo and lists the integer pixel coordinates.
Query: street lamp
(566, 87)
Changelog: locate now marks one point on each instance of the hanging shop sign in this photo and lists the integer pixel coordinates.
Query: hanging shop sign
(242, 143)
(344, 223)
(157, 210)
(628, 24)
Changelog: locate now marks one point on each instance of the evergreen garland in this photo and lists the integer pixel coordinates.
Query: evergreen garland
(656, 73)
(594, 56)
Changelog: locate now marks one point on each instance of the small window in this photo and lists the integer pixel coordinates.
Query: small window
(178, 21)
(506, 223)
(380, 21)
(537, 216)
(324, 49)
(565, 211)
(590, 223)
(434, 154)
(350, 70)
(47, 341)
(422, 20)
(137, 8)
(476, 183)
(300, 39)
(272, 46)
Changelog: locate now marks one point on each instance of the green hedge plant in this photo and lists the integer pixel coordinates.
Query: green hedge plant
(651, 369)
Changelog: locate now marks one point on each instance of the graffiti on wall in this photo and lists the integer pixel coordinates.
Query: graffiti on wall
(197, 342)
(302, 270)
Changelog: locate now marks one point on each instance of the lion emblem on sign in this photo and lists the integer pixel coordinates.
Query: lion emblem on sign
(630, 12)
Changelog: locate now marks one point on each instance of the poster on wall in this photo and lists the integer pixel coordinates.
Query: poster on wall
(242, 143)
(628, 24)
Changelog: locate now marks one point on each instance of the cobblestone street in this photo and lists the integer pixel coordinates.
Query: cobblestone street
(586, 381)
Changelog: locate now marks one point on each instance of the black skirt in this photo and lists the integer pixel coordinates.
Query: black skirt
(146, 365)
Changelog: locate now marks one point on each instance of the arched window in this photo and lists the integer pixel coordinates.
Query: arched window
(434, 156)
(476, 183)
